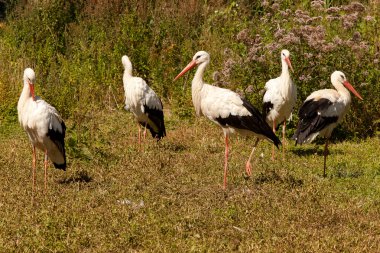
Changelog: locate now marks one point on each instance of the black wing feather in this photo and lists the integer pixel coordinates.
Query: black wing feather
(267, 107)
(156, 125)
(310, 119)
(255, 123)
(58, 138)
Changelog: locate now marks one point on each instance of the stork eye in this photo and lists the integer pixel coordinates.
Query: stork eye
(342, 76)
(198, 56)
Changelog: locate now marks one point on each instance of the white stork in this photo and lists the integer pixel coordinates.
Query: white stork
(323, 110)
(143, 102)
(280, 98)
(43, 124)
(227, 109)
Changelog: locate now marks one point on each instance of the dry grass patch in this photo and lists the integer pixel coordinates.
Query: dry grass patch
(168, 196)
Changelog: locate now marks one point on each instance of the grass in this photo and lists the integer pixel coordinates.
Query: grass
(168, 197)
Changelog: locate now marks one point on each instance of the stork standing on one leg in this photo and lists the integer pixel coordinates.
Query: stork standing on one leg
(44, 126)
(323, 110)
(280, 98)
(227, 109)
(143, 102)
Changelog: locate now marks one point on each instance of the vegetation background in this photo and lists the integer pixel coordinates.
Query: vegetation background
(75, 48)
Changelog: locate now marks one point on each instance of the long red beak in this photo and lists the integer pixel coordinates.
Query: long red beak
(189, 66)
(351, 88)
(287, 60)
(31, 88)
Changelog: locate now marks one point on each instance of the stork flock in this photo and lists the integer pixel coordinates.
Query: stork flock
(319, 114)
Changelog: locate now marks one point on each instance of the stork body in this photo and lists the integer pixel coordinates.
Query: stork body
(143, 102)
(280, 98)
(323, 110)
(43, 124)
(227, 109)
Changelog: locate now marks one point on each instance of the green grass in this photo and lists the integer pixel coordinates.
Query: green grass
(168, 197)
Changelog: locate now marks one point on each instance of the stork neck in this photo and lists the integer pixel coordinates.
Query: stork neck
(196, 87)
(286, 82)
(25, 96)
(128, 72)
(26, 91)
(343, 92)
(284, 69)
(198, 77)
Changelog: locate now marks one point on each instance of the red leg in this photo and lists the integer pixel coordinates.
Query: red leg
(283, 141)
(145, 131)
(46, 165)
(325, 153)
(139, 134)
(225, 162)
(274, 131)
(34, 169)
(248, 164)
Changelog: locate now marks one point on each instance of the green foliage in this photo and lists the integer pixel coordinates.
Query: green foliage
(75, 48)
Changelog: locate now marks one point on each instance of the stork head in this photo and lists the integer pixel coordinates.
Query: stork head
(199, 58)
(30, 79)
(127, 63)
(285, 57)
(338, 78)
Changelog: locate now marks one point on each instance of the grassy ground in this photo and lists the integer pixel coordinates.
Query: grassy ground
(169, 198)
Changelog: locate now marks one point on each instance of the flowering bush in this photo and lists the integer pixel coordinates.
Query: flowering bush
(321, 39)
(76, 46)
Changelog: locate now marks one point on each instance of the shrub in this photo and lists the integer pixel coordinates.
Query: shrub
(76, 48)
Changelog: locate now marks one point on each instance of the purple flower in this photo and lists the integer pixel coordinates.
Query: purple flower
(279, 33)
(261, 59)
(216, 76)
(337, 40)
(308, 55)
(328, 47)
(332, 18)
(240, 92)
(258, 38)
(354, 7)
(275, 6)
(352, 17)
(332, 10)
(357, 7)
(347, 24)
(252, 52)
(289, 38)
(227, 51)
(302, 17)
(356, 36)
(322, 84)
(249, 89)
(272, 47)
(369, 18)
(265, 3)
(285, 14)
(317, 5)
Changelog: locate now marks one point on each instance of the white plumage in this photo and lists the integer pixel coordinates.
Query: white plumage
(226, 108)
(43, 124)
(143, 102)
(280, 97)
(323, 110)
